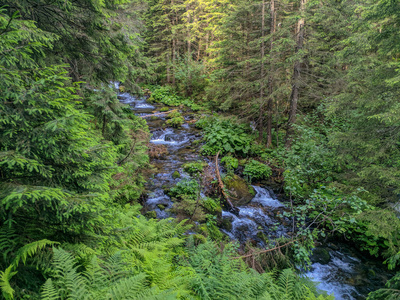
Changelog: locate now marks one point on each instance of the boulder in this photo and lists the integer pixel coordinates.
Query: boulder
(321, 255)
(240, 191)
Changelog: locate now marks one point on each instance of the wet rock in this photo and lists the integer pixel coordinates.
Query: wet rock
(241, 192)
(321, 255)
(176, 175)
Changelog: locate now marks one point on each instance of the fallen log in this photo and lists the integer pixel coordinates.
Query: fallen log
(166, 112)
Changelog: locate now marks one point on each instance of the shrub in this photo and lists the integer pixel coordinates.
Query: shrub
(226, 136)
(256, 170)
(194, 167)
(184, 187)
(176, 122)
(230, 163)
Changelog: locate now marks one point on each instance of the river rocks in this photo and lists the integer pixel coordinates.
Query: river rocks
(240, 191)
(321, 255)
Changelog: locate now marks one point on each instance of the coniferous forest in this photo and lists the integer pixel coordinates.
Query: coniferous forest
(199, 149)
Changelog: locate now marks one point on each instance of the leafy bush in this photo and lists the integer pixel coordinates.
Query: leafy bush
(213, 206)
(166, 95)
(226, 136)
(174, 114)
(308, 162)
(185, 187)
(194, 167)
(256, 170)
(176, 122)
(230, 163)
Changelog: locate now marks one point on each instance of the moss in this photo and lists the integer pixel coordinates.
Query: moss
(153, 118)
(161, 206)
(242, 193)
(176, 175)
(164, 109)
(151, 214)
(196, 142)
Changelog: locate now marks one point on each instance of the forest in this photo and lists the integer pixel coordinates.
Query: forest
(199, 149)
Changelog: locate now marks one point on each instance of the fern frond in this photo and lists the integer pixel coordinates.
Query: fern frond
(128, 288)
(29, 250)
(49, 292)
(73, 285)
(8, 240)
(6, 289)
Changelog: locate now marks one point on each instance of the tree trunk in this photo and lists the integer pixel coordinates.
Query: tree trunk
(189, 55)
(270, 78)
(174, 22)
(261, 112)
(294, 97)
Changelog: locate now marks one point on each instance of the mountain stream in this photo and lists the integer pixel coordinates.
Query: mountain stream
(338, 268)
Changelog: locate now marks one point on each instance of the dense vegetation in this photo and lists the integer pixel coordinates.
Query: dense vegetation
(304, 94)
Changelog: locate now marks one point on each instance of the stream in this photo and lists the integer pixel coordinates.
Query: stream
(337, 268)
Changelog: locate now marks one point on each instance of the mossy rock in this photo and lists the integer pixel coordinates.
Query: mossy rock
(176, 175)
(196, 142)
(161, 206)
(154, 118)
(151, 214)
(164, 109)
(321, 255)
(226, 224)
(241, 192)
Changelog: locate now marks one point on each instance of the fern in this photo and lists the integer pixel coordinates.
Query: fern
(6, 289)
(31, 249)
(49, 292)
(71, 284)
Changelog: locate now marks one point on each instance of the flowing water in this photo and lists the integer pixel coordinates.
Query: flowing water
(343, 272)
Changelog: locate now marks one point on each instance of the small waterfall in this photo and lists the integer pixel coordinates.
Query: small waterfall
(264, 198)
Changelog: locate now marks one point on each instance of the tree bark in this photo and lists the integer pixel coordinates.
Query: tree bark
(294, 97)
(261, 112)
(271, 72)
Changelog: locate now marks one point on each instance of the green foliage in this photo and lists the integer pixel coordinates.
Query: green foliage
(256, 170)
(188, 207)
(211, 205)
(308, 162)
(166, 96)
(101, 279)
(174, 114)
(98, 39)
(188, 187)
(226, 136)
(230, 163)
(194, 167)
(216, 274)
(176, 122)
(390, 292)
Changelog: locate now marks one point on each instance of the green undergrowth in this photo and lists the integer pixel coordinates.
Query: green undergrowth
(167, 96)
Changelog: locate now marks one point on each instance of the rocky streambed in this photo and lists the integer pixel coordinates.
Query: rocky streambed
(336, 267)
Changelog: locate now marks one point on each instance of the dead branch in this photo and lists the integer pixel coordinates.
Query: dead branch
(264, 251)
